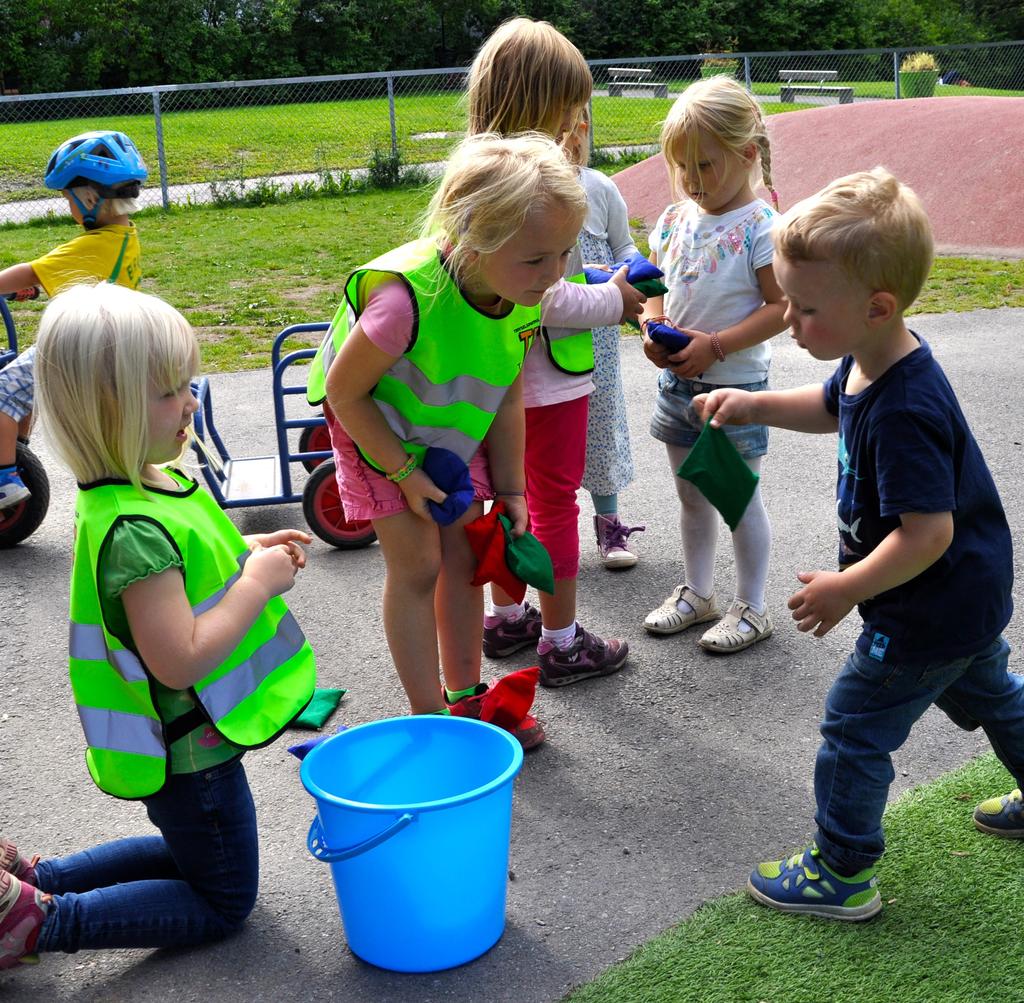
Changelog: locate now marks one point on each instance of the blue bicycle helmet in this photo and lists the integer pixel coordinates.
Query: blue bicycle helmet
(105, 161)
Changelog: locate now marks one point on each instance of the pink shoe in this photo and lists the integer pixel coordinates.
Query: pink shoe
(22, 911)
(504, 702)
(20, 867)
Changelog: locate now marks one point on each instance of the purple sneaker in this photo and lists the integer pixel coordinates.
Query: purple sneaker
(613, 541)
(586, 658)
(505, 637)
(22, 911)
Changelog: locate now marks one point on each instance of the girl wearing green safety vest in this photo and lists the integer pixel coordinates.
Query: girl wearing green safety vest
(183, 654)
(426, 351)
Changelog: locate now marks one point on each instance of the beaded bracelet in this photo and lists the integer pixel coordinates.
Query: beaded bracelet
(716, 347)
(404, 470)
(654, 320)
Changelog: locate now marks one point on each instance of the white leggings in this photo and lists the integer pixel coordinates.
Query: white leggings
(751, 540)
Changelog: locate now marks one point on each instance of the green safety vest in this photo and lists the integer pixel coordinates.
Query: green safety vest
(447, 387)
(570, 351)
(249, 698)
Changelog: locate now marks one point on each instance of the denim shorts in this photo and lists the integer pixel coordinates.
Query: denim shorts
(674, 420)
(17, 385)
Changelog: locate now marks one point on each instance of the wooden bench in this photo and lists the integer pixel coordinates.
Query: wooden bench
(631, 78)
(789, 92)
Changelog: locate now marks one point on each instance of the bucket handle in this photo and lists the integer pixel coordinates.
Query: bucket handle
(317, 844)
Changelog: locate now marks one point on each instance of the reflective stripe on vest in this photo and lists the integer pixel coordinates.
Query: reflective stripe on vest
(224, 695)
(89, 644)
(570, 351)
(446, 438)
(448, 385)
(249, 698)
(120, 732)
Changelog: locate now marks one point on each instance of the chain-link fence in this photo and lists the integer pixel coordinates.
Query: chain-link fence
(207, 141)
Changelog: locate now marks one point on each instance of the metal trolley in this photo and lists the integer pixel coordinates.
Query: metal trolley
(237, 482)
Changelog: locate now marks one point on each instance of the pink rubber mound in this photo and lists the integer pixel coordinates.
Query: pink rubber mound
(961, 155)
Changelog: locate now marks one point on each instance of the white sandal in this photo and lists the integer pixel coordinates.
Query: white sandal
(667, 619)
(726, 637)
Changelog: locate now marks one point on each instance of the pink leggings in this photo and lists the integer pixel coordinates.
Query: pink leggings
(556, 451)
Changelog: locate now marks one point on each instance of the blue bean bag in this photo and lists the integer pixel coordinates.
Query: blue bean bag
(640, 270)
(451, 475)
(672, 338)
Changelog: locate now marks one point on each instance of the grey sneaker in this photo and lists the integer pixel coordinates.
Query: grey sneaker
(586, 658)
(505, 637)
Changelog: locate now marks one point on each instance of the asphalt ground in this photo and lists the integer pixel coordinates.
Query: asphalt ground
(659, 787)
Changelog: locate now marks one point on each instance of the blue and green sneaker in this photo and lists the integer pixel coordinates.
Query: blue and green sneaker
(805, 883)
(1002, 816)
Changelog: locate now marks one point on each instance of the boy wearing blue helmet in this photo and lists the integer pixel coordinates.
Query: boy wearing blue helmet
(100, 174)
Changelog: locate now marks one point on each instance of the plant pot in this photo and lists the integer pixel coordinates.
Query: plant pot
(717, 71)
(918, 83)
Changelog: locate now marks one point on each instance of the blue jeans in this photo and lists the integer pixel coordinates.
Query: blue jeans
(194, 883)
(868, 715)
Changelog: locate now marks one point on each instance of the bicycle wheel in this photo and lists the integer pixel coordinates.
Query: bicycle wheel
(23, 519)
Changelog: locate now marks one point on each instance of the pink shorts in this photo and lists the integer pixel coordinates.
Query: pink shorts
(366, 494)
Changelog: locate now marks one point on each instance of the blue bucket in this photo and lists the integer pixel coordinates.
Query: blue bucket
(402, 805)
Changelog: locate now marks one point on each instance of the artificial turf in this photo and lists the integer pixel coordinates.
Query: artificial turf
(949, 930)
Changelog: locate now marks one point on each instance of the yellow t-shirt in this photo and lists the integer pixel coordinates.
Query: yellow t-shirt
(108, 252)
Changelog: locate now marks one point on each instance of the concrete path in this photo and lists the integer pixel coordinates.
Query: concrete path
(658, 789)
(200, 193)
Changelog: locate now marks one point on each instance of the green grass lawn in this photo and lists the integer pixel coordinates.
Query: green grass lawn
(227, 143)
(241, 275)
(949, 930)
(223, 144)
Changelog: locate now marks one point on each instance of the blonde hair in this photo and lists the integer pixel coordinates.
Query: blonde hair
(119, 207)
(103, 350)
(724, 109)
(110, 207)
(527, 76)
(871, 225)
(576, 147)
(491, 185)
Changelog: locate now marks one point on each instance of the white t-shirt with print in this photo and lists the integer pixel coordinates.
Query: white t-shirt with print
(710, 265)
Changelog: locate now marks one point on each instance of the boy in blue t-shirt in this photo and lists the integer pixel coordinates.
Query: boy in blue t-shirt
(923, 540)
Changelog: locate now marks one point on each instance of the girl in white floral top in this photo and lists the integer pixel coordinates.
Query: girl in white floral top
(714, 246)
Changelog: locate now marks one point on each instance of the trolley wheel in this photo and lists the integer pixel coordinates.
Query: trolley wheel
(313, 439)
(321, 505)
(23, 519)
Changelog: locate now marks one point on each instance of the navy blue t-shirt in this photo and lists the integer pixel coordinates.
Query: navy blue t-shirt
(904, 447)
